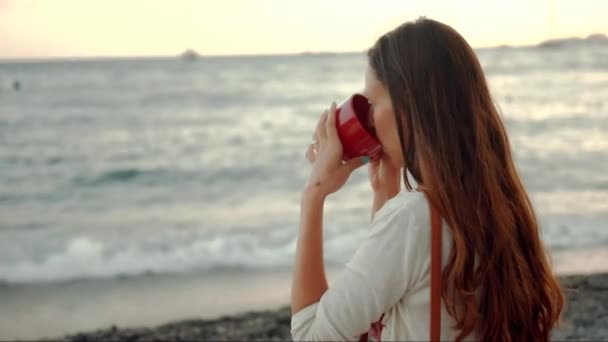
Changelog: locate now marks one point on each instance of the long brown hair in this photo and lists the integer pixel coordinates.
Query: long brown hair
(457, 150)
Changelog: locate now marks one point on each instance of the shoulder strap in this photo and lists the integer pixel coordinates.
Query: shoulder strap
(436, 247)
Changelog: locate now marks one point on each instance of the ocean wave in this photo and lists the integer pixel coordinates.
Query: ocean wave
(124, 175)
(112, 176)
(219, 175)
(86, 257)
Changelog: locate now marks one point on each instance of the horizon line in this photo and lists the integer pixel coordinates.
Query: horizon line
(237, 55)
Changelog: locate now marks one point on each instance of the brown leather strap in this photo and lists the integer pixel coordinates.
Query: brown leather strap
(435, 274)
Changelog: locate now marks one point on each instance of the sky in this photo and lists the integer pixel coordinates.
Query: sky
(79, 28)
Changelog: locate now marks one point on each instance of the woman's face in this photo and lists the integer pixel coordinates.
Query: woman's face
(383, 118)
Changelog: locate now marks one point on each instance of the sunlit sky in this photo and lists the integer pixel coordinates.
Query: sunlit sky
(53, 28)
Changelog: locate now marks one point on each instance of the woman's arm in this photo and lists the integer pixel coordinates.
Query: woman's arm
(327, 176)
(309, 281)
(388, 262)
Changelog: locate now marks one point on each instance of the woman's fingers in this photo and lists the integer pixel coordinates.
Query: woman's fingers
(311, 153)
(330, 123)
(325, 128)
(320, 132)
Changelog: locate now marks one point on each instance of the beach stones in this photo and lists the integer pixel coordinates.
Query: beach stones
(585, 318)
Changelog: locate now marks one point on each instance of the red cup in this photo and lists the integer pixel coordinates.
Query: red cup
(353, 122)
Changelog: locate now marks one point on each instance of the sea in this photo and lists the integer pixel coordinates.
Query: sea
(135, 169)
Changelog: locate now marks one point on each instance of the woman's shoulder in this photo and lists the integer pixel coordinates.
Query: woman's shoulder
(406, 203)
(407, 209)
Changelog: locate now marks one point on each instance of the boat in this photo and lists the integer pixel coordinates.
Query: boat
(190, 55)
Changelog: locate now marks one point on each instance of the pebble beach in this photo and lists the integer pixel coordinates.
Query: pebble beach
(585, 319)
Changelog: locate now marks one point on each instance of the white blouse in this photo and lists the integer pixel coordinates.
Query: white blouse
(389, 274)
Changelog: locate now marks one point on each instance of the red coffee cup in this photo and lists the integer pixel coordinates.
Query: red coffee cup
(354, 128)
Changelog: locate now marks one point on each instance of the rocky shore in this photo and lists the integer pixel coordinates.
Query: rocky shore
(585, 319)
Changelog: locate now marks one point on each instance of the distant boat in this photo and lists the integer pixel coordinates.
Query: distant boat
(190, 55)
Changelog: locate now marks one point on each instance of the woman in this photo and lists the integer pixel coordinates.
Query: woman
(434, 116)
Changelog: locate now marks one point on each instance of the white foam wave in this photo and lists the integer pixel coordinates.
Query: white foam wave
(89, 257)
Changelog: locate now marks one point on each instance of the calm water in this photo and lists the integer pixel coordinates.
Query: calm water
(122, 167)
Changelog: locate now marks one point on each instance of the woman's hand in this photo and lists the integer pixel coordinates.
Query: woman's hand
(328, 173)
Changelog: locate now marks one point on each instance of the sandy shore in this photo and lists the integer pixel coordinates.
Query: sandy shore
(36, 311)
(586, 318)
